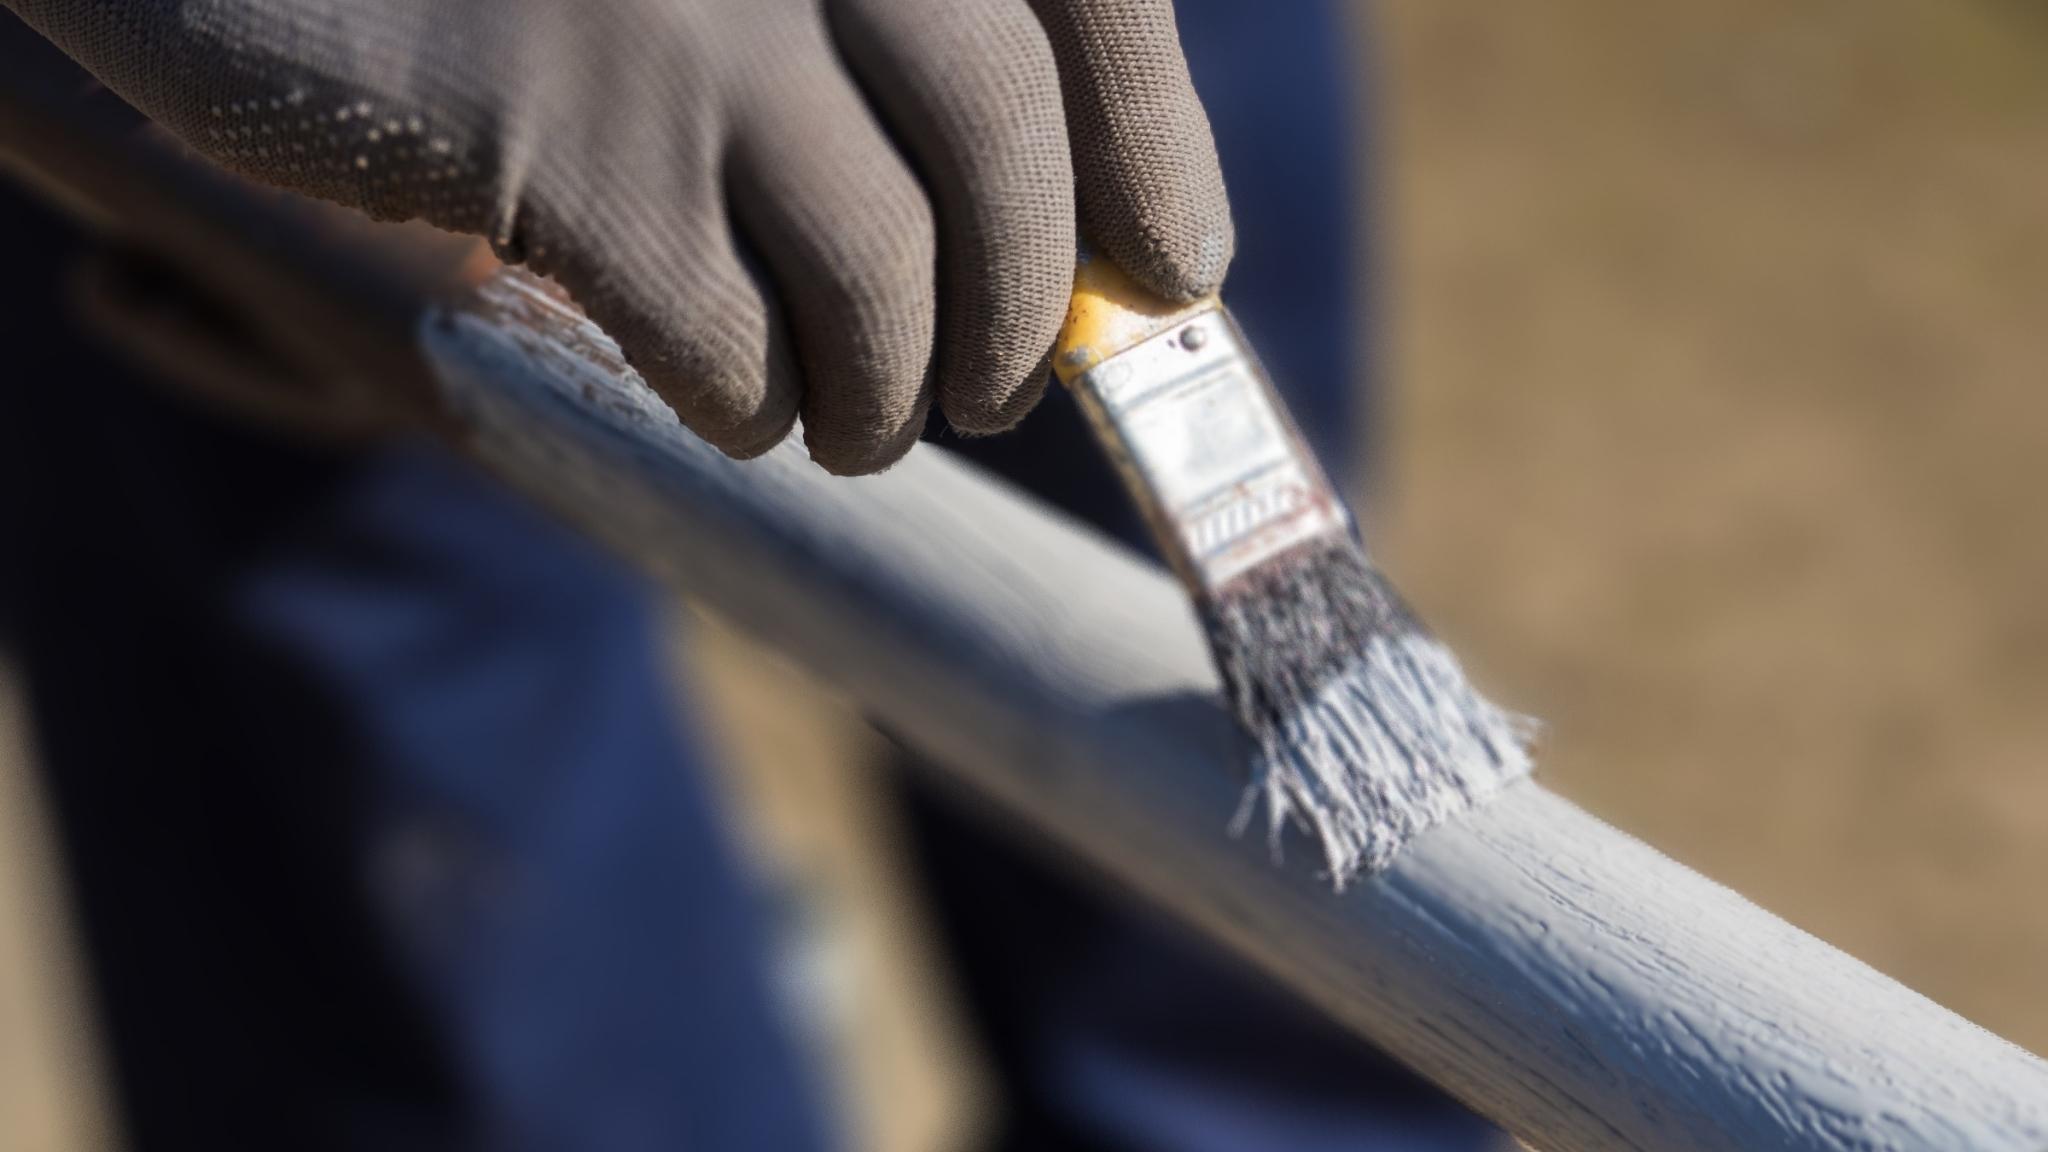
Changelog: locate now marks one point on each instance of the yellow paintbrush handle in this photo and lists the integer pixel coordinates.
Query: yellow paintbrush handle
(1109, 314)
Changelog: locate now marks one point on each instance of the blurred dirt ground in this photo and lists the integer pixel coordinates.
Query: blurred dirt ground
(1718, 438)
(50, 1089)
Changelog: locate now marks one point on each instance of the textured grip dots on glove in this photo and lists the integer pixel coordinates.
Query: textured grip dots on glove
(342, 148)
(903, 176)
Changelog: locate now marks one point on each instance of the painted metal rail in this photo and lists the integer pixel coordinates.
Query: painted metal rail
(1562, 978)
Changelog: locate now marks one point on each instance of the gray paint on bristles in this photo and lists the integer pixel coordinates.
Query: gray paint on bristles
(1367, 731)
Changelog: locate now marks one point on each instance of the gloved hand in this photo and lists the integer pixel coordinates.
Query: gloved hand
(907, 173)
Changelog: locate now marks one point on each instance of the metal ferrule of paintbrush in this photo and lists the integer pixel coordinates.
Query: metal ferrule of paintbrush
(1203, 443)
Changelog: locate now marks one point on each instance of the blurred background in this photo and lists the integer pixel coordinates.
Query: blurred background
(1713, 433)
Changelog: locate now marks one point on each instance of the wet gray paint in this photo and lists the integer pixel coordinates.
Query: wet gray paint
(1367, 732)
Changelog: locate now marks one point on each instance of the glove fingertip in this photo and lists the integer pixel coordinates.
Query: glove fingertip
(860, 455)
(746, 443)
(974, 408)
(1185, 266)
(975, 422)
(1166, 223)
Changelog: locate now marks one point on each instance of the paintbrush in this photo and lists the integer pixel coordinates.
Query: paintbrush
(1364, 728)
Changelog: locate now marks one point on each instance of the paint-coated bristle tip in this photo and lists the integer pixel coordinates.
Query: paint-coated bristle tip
(1366, 729)
(1393, 746)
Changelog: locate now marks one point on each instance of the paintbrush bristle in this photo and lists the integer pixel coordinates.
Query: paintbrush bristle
(1366, 730)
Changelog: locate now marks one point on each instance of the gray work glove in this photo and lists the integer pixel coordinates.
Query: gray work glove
(906, 171)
